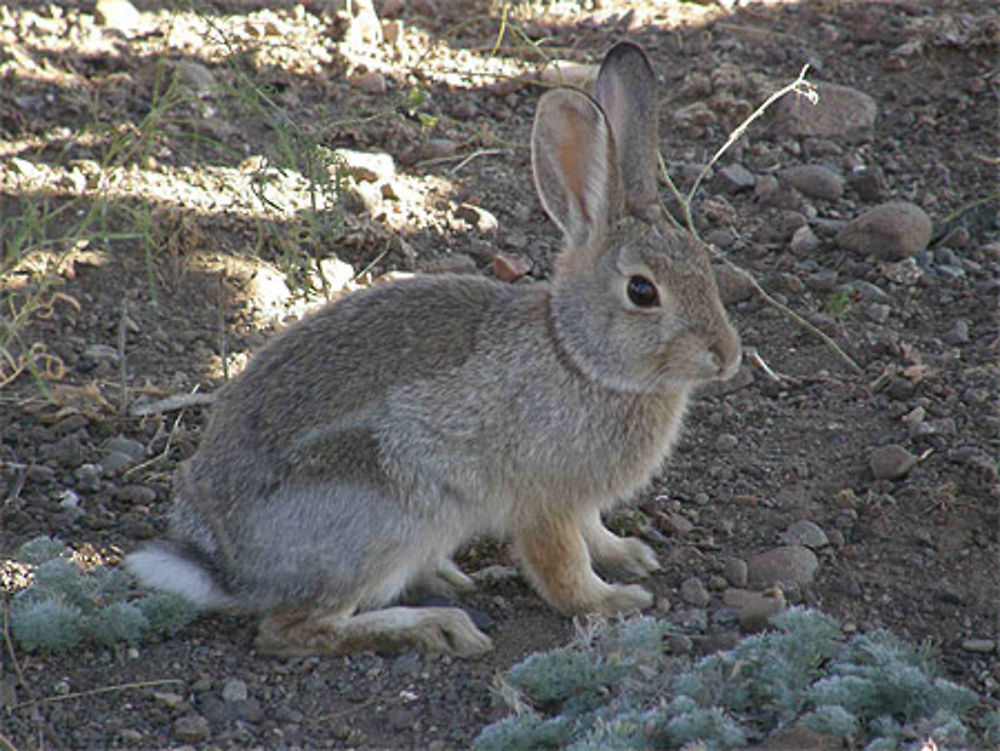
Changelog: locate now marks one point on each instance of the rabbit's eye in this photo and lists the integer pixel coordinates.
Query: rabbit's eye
(642, 292)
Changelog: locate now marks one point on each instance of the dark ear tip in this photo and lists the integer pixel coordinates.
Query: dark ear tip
(624, 50)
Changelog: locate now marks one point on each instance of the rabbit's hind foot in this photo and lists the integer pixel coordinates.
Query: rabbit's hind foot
(301, 633)
(557, 562)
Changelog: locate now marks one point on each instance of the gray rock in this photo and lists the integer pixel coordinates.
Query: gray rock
(793, 565)
(815, 181)
(759, 609)
(726, 442)
(128, 446)
(192, 728)
(979, 646)
(841, 113)
(114, 462)
(868, 183)
(234, 690)
(804, 242)
(891, 462)
(735, 571)
(806, 533)
(68, 452)
(891, 231)
(958, 333)
(88, 477)
(694, 593)
(733, 286)
(734, 178)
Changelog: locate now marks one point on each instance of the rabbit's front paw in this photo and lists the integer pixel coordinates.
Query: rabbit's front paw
(624, 598)
(618, 557)
(628, 558)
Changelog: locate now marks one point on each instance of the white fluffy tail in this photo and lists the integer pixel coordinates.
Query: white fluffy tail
(164, 566)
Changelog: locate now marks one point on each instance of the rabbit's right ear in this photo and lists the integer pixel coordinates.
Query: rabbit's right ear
(574, 166)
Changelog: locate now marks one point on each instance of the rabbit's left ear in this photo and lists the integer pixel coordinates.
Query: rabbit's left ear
(626, 91)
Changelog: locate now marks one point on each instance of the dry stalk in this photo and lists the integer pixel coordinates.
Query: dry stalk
(801, 87)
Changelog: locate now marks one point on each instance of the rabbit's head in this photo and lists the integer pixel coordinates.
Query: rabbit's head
(635, 301)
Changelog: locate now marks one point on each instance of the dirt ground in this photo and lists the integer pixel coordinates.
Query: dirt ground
(164, 194)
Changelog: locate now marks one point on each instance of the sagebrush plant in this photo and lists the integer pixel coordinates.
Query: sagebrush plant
(66, 606)
(618, 688)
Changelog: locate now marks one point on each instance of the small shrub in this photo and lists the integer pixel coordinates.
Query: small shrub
(616, 688)
(66, 607)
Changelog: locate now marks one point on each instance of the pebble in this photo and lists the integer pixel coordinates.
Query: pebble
(868, 183)
(476, 216)
(891, 462)
(958, 333)
(733, 286)
(804, 242)
(192, 728)
(234, 690)
(824, 280)
(734, 178)
(726, 442)
(370, 82)
(979, 646)
(88, 477)
(509, 267)
(735, 571)
(756, 613)
(435, 148)
(114, 462)
(128, 446)
(68, 452)
(168, 699)
(799, 738)
(806, 533)
(120, 15)
(791, 564)
(196, 78)
(674, 523)
(892, 231)
(841, 112)
(694, 593)
(815, 181)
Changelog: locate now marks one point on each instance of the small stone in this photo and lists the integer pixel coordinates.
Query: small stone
(756, 613)
(101, 353)
(478, 217)
(365, 166)
(815, 181)
(733, 285)
(799, 738)
(192, 728)
(694, 593)
(114, 462)
(674, 523)
(806, 533)
(804, 242)
(793, 565)
(370, 82)
(168, 699)
(195, 77)
(735, 571)
(234, 690)
(734, 178)
(120, 15)
(958, 333)
(979, 646)
(41, 474)
(891, 231)
(839, 113)
(891, 462)
(435, 148)
(128, 446)
(510, 268)
(868, 183)
(680, 644)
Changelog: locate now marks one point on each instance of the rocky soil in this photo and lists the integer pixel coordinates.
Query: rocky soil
(167, 201)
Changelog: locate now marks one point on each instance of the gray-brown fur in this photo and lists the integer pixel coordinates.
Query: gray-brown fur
(365, 444)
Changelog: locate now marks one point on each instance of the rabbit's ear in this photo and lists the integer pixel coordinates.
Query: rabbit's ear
(573, 163)
(626, 91)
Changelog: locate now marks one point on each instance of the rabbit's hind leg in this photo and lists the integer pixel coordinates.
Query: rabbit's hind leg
(621, 557)
(556, 561)
(302, 632)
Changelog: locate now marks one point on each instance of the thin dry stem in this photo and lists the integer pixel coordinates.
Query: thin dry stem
(804, 88)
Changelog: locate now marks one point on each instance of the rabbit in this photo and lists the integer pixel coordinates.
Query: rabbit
(366, 443)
